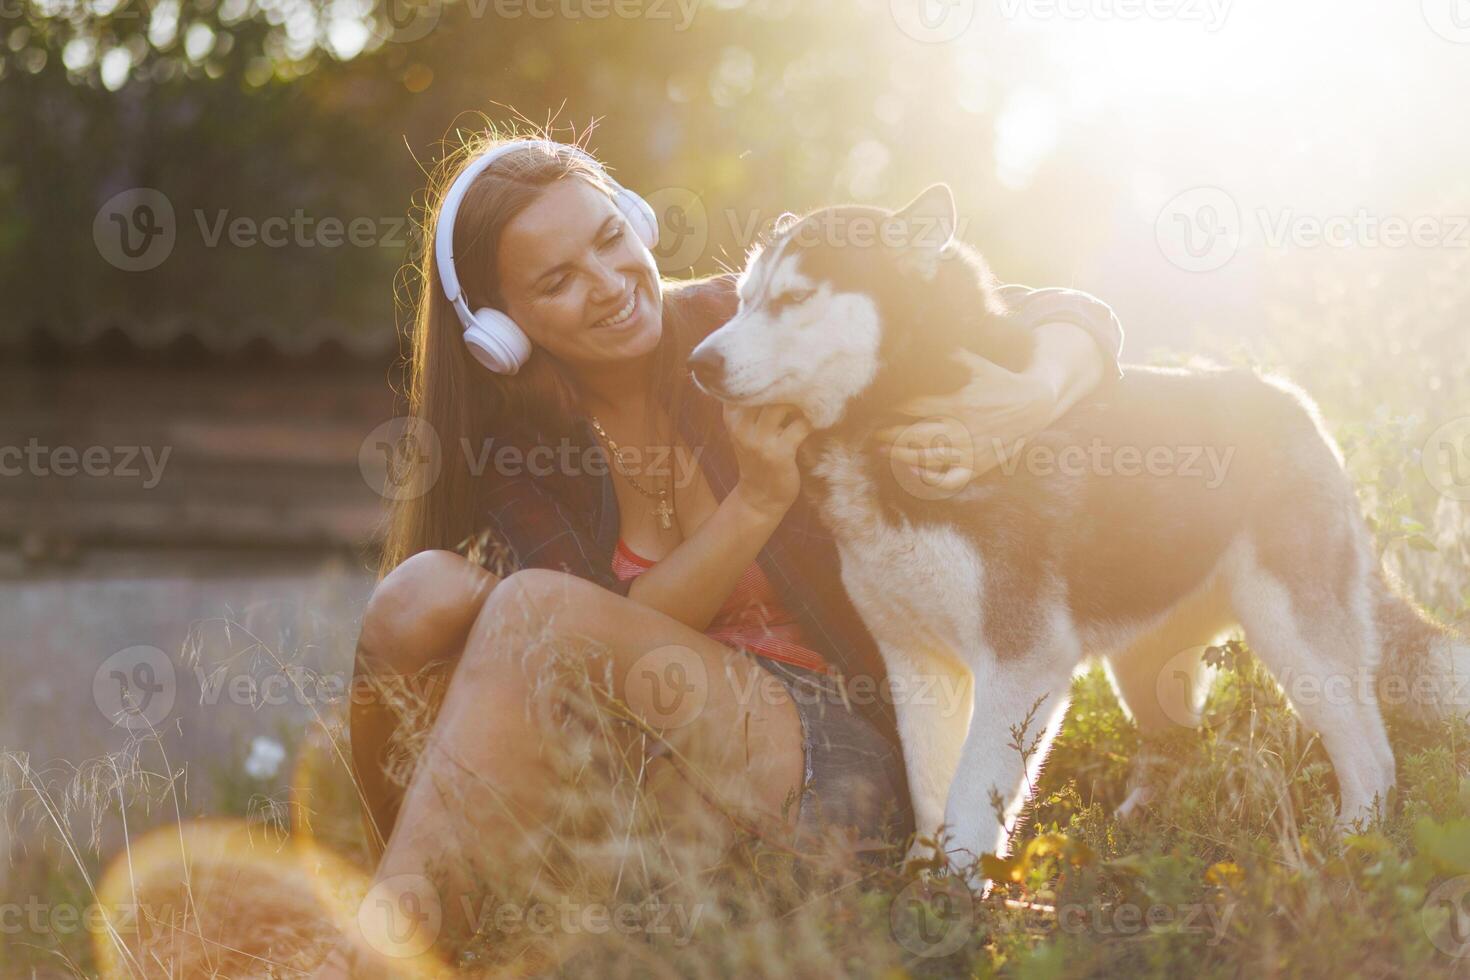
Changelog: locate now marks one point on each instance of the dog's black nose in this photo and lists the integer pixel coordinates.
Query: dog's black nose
(709, 368)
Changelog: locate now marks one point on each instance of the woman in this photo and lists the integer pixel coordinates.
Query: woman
(676, 572)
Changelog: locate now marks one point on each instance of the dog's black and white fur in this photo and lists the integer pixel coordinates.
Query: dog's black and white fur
(1004, 587)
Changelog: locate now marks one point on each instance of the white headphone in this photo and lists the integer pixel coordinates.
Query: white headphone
(492, 336)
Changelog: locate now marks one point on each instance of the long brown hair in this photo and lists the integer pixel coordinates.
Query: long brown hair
(447, 390)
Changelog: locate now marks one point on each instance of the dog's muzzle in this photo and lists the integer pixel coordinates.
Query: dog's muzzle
(708, 366)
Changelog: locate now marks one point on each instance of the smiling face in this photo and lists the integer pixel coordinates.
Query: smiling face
(577, 280)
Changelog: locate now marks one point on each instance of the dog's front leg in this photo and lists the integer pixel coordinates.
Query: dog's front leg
(1001, 747)
(932, 702)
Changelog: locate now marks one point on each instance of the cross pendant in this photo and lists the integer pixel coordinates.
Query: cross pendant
(665, 513)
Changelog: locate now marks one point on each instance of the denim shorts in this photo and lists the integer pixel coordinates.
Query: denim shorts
(854, 778)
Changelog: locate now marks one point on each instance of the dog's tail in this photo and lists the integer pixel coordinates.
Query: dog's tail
(1425, 672)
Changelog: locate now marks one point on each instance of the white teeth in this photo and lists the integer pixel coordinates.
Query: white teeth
(621, 316)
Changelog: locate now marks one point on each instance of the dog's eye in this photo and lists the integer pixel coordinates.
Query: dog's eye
(791, 298)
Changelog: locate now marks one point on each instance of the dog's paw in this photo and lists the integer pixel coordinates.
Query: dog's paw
(924, 858)
(974, 879)
(1361, 816)
(1150, 773)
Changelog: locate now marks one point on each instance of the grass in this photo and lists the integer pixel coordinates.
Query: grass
(1233, 871)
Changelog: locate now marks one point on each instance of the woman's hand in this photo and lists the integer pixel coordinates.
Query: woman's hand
(765, 440)
(966, 434)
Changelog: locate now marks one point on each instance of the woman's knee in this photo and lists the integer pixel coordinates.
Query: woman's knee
(527, 615)
(542, 597)
(422, 611)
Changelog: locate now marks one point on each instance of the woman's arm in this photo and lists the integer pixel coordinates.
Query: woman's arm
(1066, 366)
(692, 582)
(1040, 309)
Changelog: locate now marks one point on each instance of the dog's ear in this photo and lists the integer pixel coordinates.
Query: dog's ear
(924, 229)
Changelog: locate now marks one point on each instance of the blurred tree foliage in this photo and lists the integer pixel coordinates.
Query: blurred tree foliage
(272, 108)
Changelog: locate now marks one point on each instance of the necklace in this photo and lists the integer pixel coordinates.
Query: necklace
(665, 509)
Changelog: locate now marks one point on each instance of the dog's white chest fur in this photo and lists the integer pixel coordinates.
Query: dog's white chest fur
(918, 589)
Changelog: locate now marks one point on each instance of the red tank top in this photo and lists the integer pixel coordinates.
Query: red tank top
(753, 617)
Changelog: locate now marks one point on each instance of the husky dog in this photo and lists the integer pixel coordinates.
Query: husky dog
(1005, 586)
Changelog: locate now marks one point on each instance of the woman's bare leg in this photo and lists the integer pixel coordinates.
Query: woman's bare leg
(413, 632)
(483, 781)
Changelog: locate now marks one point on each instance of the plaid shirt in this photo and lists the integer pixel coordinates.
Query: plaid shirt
(569, 522)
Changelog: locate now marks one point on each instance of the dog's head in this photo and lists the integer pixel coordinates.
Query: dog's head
(853, 309)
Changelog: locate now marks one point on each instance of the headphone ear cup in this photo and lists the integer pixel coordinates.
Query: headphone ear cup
(496, 341)
(640, 215)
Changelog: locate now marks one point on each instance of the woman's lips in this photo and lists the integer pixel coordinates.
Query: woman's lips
(622, 317)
